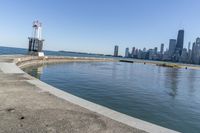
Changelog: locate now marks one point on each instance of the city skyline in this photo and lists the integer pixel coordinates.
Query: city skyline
(174, 52)
(95, 27)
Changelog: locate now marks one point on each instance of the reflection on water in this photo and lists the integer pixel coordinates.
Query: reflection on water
(165, 96)
(35, 71)
(191, 79)
(172, 81)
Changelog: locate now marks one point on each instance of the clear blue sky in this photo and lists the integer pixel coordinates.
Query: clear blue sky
(97, 25)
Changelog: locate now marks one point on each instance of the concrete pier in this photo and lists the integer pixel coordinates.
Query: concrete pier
(30, 105)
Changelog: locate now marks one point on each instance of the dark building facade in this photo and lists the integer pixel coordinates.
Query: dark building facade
(172, 46)
(180, 41)
(162, 48)
(116, 49)
(179, 46)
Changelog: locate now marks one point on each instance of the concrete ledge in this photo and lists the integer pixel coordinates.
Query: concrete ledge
(10, 68)
(125, 119)
(34, 60)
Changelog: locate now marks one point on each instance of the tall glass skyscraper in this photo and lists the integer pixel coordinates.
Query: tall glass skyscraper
(116, 50)
(127, 52)
(196, 51)
(172, 46)
(162, 48)
(179, 43)
(179, 46)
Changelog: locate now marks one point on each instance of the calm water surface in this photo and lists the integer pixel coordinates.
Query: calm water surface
(165, 96)
(24, 51)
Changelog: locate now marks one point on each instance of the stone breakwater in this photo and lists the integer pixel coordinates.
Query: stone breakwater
(34, 60)
(163, 63)
(30, 105)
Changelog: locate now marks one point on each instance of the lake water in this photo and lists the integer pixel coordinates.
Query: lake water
(23, 51)
(165, 96)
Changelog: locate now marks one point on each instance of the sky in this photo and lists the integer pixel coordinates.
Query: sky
(95, 26)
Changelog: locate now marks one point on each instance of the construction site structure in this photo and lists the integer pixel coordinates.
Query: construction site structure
(36, 41)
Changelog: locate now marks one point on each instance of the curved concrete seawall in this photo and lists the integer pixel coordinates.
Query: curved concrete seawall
(30, 105)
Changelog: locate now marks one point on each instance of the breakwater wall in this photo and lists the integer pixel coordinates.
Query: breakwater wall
(25, 61)
(40, 103)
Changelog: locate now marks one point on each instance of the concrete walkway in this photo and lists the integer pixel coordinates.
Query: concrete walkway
(29, 105)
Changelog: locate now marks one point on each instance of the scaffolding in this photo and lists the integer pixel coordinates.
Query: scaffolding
(36, 41)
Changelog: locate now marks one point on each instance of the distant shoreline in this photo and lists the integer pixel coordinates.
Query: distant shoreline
(153, 62)
(165, 64)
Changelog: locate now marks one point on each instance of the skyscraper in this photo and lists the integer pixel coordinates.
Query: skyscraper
(189, 43)
(127, 52)
(179, 46)
(172, 46)
(116, 50)
(189, 53)
(179, 43)
(144, 49)
(196, 51)
(162, 48)
(193, 52)
(184, 56)
(155, 50)
(133, 52)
